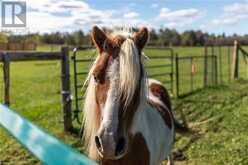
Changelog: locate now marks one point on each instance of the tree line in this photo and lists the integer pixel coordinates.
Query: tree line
(161, 37)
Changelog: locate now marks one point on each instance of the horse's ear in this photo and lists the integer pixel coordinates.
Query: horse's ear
(141, 38)
(98, 37)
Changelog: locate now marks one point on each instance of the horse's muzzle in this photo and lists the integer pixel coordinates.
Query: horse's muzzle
(110, 147)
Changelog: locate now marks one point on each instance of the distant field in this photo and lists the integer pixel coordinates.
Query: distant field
(179, 50)
(185, 66)
(35, 88)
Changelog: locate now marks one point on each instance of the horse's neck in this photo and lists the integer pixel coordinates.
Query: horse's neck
(149, 123)
(146, 119)
(159, 138)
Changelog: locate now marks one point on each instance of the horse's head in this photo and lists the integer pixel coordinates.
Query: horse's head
(115, 90)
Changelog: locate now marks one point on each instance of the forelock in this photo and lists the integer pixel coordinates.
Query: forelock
(130, 70)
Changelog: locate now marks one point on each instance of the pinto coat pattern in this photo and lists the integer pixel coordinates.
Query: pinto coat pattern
(127, 118)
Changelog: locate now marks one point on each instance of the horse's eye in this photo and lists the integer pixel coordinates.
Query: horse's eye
(96, 78)
(106, 46)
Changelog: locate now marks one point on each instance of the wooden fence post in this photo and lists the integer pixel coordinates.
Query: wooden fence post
(220, 64)
(6, 82)
(229, 64)
(191, 74)
(235, 62)
(177, 76)
(213, 63)
(215, 69)
(172, 71)
(65, 89)
(205, 66)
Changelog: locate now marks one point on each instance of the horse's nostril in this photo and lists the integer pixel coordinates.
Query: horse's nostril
(98, 143)
(120, 148)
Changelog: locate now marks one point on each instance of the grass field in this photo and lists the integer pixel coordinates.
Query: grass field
(218, 121)
(217, 116)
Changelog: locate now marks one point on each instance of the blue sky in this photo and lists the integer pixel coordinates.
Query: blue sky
(214, 16)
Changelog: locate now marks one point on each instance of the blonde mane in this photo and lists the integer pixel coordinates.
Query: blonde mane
(130, 69)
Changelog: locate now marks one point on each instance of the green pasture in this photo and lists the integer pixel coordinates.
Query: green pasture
(217, 115)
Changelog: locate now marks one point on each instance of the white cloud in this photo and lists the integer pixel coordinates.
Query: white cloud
(178, 18)
(131, 15)
(172, 25)
(62, 15)
(232, 14)
(44, 22)
(69, 15)
(229, 20)
(52, 6)
(237, 8)
(167, 14)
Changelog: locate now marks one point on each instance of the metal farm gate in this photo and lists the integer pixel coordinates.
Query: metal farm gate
(82, 59)
(211, 67)
(158, 62)
(160, 66)
(194, 73)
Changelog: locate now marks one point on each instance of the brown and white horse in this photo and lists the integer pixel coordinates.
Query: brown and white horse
(127, 118)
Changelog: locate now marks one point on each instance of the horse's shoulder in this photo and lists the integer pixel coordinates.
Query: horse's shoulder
(160, 99)
(159, 91)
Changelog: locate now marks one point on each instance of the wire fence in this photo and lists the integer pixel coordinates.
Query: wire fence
(180, 74)
(194, 73)
(214, 66)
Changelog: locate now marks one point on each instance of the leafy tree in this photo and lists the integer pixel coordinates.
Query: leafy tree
(153, 37)
(69, 39)
(162, 37)
(175, 38)
(169, 37)
(79, 37)
(3, 38)
(188, 38)
(200, 38)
